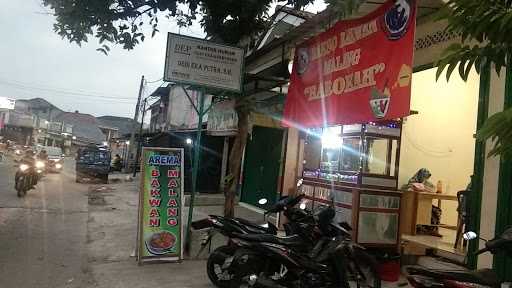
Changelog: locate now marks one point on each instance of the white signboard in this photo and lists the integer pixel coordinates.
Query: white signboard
(181, 113)
(199, 62)
(222, 119)
(7, 103)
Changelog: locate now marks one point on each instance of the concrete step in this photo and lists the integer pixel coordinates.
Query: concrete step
(206, 199)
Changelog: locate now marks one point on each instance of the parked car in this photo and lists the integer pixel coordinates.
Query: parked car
(92, 162)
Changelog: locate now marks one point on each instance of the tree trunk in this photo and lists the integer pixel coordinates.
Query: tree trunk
(235, 159)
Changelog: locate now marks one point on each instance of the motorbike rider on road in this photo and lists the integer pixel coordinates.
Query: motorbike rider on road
(28, 159)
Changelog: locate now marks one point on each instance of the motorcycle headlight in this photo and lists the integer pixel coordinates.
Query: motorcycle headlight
(24, 167)
(39, 164)
(17, 152)
(58, 166)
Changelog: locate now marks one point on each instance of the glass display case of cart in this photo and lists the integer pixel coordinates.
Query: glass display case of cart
(355, 168)
(363, 155)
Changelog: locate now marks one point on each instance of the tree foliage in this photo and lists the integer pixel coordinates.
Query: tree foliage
(498, 128)
(129, 22)
(345, 8)
(485, 28)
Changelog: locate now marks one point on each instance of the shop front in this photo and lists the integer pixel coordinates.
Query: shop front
(349, 92)
(361, 148)
(366, 170)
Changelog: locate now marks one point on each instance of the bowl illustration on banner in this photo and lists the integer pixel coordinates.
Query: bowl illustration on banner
(160, 242)
(379, 102)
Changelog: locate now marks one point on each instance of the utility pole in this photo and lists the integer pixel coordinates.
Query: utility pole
(201, 112)
(139, 145)
(134, 127)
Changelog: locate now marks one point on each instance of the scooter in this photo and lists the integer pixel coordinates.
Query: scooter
(420, 277)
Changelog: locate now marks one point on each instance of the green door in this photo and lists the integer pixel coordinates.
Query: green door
(262, 165)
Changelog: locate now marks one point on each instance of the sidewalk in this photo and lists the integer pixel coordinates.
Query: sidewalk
(111, 239)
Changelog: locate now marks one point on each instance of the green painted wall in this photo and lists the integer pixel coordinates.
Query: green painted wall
(476, 196)
(502, 263)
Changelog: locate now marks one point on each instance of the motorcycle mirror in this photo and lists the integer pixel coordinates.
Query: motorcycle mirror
(262, 201)
(470, 235)
(302, 206)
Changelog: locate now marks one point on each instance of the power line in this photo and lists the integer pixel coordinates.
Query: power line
(58, 91)
(30, 94)
(57, 88)
(149, 82)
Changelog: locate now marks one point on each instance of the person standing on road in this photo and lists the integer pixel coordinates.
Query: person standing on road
(117, 163)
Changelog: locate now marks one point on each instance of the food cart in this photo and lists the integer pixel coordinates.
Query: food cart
(355, 167)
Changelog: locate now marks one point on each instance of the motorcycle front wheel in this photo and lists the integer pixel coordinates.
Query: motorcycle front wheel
(217, 266)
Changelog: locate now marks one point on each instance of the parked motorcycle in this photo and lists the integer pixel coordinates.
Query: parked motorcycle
(318, 252)
(220, 259)
(268, 261)
(420, 277)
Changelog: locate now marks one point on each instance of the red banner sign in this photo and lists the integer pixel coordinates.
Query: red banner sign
(357, 71)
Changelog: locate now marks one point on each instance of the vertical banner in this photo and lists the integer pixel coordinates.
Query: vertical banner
(160, 235)
(358, 71)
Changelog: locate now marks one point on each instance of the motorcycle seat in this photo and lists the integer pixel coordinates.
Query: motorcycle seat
(483, 277)
(293, 240)
(255, 228)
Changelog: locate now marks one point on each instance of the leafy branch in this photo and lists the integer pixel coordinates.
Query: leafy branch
(485, 28)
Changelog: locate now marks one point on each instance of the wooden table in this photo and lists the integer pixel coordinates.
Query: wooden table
(417, 210)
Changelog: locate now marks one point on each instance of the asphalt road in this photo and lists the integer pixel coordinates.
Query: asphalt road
(43, 235)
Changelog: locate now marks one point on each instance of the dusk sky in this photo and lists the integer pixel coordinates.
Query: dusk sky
(36, 62)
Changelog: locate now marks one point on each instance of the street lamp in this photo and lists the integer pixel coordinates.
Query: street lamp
(189, 143)
(127, 142)
(74, 137)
